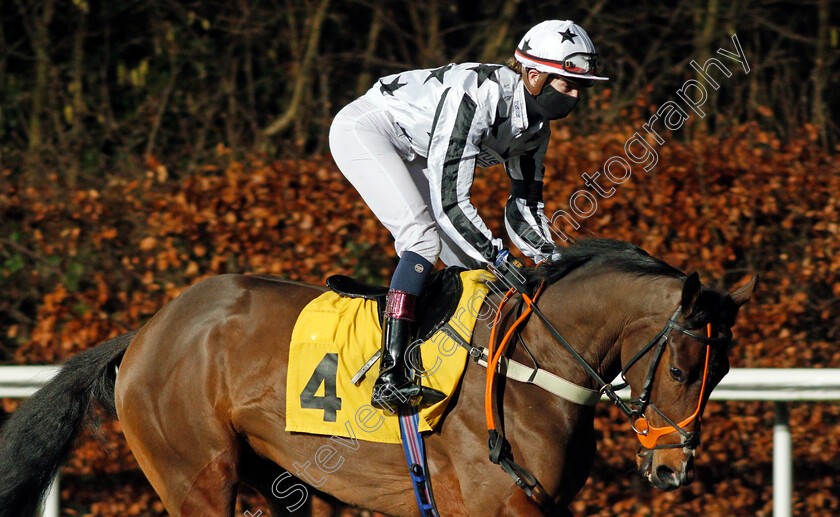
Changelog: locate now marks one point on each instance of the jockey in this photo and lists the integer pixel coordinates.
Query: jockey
(411, 144)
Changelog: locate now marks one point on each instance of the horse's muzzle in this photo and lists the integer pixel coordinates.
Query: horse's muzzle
(665, 476)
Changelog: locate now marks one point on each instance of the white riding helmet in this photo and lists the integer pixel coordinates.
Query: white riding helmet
(559, 47)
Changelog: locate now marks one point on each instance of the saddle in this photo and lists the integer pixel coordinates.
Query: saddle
(436, 305)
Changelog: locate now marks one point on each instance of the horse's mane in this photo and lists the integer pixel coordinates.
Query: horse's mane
(711, 305)
(594, 252)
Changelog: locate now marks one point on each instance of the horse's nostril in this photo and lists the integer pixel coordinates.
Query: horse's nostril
(667, 475)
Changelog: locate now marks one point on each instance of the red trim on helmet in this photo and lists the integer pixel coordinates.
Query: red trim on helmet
(546, 61)
(552, 63)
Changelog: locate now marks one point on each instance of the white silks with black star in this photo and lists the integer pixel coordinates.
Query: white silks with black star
(463, 116)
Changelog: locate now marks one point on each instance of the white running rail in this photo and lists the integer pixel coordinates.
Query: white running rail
(780, 385)
(21, 382)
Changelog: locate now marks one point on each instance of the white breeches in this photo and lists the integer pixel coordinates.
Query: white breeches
(368, 148)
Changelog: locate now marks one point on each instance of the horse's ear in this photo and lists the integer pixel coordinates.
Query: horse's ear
(742, 295)
(691, 288)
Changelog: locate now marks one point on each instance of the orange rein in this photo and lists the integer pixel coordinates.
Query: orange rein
(493, 358)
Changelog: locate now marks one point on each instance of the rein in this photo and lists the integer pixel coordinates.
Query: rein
(500, 453)
(648, 435)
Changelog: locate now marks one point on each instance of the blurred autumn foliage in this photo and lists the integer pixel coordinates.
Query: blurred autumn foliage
(115, 193)
(80, 266)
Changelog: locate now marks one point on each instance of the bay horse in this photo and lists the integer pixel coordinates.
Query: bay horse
(200, 395)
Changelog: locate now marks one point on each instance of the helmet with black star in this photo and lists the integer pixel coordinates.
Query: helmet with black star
(560, 47)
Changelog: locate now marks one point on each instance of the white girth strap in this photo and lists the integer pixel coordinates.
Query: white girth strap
(545, 380)
(536, 376)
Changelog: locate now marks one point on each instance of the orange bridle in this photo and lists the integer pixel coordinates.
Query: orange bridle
(649, 435)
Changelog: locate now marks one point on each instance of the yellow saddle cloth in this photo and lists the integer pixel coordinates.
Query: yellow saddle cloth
(333, 338)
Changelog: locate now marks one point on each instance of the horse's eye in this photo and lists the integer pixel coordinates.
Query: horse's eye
(677, 374)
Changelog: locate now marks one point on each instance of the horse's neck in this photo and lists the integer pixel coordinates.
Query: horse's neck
(592, 312)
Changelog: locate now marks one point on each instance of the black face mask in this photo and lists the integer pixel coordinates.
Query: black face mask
(549, 104)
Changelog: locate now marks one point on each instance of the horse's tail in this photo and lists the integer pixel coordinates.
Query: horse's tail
(39, 436)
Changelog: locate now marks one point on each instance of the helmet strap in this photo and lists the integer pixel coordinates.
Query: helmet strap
(537, 87)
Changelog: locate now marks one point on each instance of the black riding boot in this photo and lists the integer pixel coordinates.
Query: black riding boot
(394, 386)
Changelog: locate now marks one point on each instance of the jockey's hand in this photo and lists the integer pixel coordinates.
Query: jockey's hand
(511, 271)
(552, 258)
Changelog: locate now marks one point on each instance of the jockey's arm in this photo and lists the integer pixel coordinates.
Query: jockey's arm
(525, 219)
(457, 130)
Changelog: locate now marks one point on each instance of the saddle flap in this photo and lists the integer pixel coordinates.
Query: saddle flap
(439, 300)
(350, 287)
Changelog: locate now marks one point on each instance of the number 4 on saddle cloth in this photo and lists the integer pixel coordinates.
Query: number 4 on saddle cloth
(336, 334)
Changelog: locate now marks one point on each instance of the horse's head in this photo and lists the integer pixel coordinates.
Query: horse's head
(671, 371)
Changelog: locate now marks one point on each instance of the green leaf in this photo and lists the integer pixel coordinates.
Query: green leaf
(80, 308)
(14, 264)
(74, 273)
